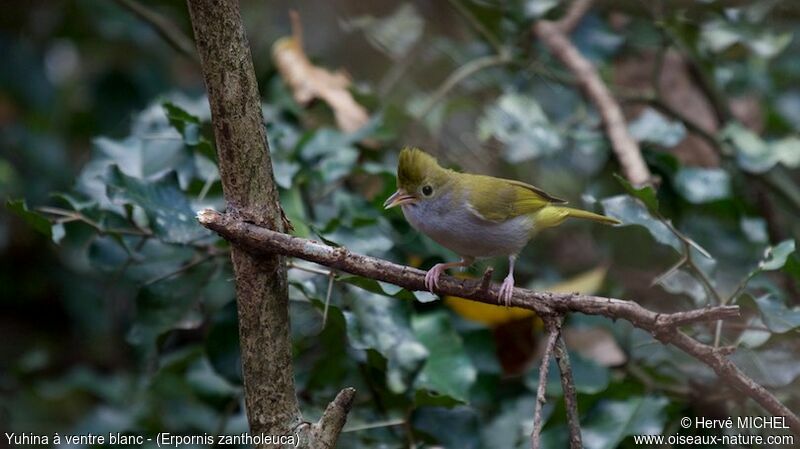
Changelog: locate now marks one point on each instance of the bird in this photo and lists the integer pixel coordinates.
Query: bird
(475, 216)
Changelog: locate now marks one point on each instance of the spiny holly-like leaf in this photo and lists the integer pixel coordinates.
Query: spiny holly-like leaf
(168, 304)
(381, 323)
(384, 288)
(36, 220)
(613, 420)
(519, 122)
(653, 127)
(775, 256)
(394, 34)
(166, 206)
(222, 344)
(772, 365)
(448, 373)
(646, 194)
(755, 155)
(703, 185)
(589, 377)
(455, 427)
(774, 312)
(631, 212)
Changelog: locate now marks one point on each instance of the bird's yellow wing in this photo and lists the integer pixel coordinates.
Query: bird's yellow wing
(499, 199)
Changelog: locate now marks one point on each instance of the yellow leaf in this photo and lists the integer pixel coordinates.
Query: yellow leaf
(586, 283)
(308, 81)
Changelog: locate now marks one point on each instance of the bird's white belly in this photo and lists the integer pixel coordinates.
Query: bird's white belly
(466, 233)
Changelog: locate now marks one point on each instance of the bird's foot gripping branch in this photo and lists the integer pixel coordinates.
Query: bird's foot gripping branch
(667, 328)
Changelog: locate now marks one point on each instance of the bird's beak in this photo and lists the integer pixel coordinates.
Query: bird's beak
(398, 198)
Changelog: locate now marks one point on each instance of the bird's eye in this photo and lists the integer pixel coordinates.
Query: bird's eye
(427, 190)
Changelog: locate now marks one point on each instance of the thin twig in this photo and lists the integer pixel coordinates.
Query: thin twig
(624, 145)
(479, 27)
(325, 432)
(375, 425)
(165, 28)
(262, 241)
(574, 15)
(71, 215)
(554, 331)
(179, 270)
(459, 75)
(570, 396)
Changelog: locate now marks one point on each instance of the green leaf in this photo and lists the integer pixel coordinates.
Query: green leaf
(284, 172)
(455, 427)
(755, 155)
(518, 121)
(381, 323)
(719, 35)
(653, 127)
(395, 34)
(613, 420)
(209, 386)
(646, 194)
(448, 372)
(703, 185)
(774, 312)
(680, 282)
(384, 288)
(36, 220)
(186, 124)
(167, 208)
(535, 9)
(511, 427)
(775, 256)
(589, 377)
(631, 212)
(773, 365)
(222, 344)
(371, 239)
(755, 228)
(331, 152)
(168, 304)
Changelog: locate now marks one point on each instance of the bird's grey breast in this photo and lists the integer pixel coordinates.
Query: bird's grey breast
(451, 223)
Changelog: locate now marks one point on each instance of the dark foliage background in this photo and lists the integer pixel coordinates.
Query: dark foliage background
(116, 308)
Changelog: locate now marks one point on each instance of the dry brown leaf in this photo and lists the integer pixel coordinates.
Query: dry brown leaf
(595, 343)
(308, 81)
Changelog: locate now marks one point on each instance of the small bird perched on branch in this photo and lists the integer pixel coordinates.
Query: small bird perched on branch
(476, 216)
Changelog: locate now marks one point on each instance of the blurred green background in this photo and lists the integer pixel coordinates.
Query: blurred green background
(117, 311)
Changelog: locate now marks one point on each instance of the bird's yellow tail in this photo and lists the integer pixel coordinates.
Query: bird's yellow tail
(554, 215)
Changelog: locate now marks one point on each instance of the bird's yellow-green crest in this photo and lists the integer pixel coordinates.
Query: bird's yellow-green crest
(416, 166)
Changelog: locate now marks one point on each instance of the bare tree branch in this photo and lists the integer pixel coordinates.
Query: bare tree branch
(165, 28)
(570, 396)
(663, 326)
(574, 14)
(553, 334)
(326, 431)
(625, 147)
(249, 188)
(262, 297)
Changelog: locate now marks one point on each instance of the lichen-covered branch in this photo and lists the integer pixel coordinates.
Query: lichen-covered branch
(665, 327)
(570, 395)
(626, 149)
(553, 334)
(261, 288)
(325, 432)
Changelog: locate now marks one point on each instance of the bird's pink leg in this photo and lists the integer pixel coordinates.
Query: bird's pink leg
(432, 276)
(507, 288)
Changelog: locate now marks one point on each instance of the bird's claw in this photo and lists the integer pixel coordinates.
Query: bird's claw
(432, 277)
(506, 291)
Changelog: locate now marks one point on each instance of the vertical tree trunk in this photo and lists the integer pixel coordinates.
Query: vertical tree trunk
(249, 187)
